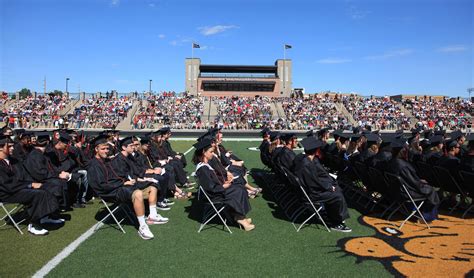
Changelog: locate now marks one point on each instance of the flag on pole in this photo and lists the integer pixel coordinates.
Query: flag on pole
(195, 45)
(287, 46)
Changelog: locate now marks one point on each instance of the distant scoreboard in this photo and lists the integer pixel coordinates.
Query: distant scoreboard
(238, 80)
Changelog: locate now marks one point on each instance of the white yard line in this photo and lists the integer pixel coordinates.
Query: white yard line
(66, 252)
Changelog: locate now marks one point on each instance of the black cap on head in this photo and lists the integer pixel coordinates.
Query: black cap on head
(323, 131)
(372, 138)
(26, 134)
(435, 140)
(356, 130)
(455, 135)
(164, 130)
(205, 142)
(101, 139)
(355, 137)
(274, 135)
(145, 140)
(311, 143)
(451, 144)
(345, 135)
(428, 133)
(64, 137)
(441, 132)
(19, 131)
(415, 131)
(287, 136)
(264, 131)
(126, 141)
(42, 137)
(399, 143)
(309, 133)
(5, 139)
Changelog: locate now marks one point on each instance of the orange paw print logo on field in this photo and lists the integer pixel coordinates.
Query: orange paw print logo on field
(447, 249)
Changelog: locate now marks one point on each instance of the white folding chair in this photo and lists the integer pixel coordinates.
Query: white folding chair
(8, 213)
(211, 210)
(110, 213)
(397, 182)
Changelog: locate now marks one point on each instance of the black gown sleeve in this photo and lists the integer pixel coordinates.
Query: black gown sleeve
(208, 180)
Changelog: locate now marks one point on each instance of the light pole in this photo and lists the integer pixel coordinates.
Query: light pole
(150, 87)
(470, 90)
(67, 80)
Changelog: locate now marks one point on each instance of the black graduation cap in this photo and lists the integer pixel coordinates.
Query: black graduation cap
(25, 134)
(287, 136)
(365, 132)
(345, 135)
(309, 133)
(387, 140)
(436, 139)
(441, 132)
(19, 131)
(376, 131)
(428, 133)
(372, 138)
(399, 143)
(415, 131)
(470, 137)
(144, 140)
(355, 137)
(164, 130)
(4, 139)
(452, 143)
(425, 143)
(126, 141)
(311, 143)
(101, 139)
(323, 131)
(213, 131)
(264, 131)
(455, 135)
(64, 137)
(356, 130)
(205, 142)
(274, 135)
(42, 137)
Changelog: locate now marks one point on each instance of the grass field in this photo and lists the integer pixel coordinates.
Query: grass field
(274, 248)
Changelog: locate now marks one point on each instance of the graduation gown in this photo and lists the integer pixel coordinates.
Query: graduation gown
(265, 155)
(106, 183)
(285, 158)
(451, 163)
(122, 167)
(20, 152)
(467, 163)
(235, 197)
(415, 186)
(172, 153)
(319, 184)
(13, 189)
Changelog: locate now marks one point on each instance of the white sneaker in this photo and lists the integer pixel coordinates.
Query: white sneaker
(47, 220)
(156, 220)
(145, 233)
(37, 231)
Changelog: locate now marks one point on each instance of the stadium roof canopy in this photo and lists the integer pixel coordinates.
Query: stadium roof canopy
(238, 69)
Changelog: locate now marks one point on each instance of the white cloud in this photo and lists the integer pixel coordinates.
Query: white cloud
(213, 30)
(114, 3)
(161, 36)
(453, 48)
(356, 13)
(180, 41)
(391, 54)
(334, 61)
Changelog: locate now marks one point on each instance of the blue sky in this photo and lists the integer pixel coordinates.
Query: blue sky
(370, 47)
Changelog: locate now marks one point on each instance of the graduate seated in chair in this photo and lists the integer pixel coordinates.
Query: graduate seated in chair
(219, 189)
(109, 185)
(321, 187)
(41, 204)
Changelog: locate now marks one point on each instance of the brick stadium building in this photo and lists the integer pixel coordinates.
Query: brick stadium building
(238, 80)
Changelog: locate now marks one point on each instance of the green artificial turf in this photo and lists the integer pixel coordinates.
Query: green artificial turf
(274, 248)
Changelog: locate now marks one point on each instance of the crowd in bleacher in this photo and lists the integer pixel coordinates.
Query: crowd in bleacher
(444, 113)
(243, 112)
(314, 111)
(44, 111)
(99, 112)
(167, 109)
(379, 113)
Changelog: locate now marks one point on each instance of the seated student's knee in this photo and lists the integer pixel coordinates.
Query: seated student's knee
(137, 196)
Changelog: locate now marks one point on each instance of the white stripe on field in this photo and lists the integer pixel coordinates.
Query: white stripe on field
(190, 149)
(66, 252)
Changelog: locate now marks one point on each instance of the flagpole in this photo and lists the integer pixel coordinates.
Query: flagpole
(284, 58)
(192, 66)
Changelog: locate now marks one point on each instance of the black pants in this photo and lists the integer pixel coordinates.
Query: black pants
(40, 202)
(334, 204)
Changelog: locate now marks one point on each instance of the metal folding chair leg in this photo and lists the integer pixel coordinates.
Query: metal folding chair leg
(110, 214)
(417, 209)
(467, 210)
(8, 214)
